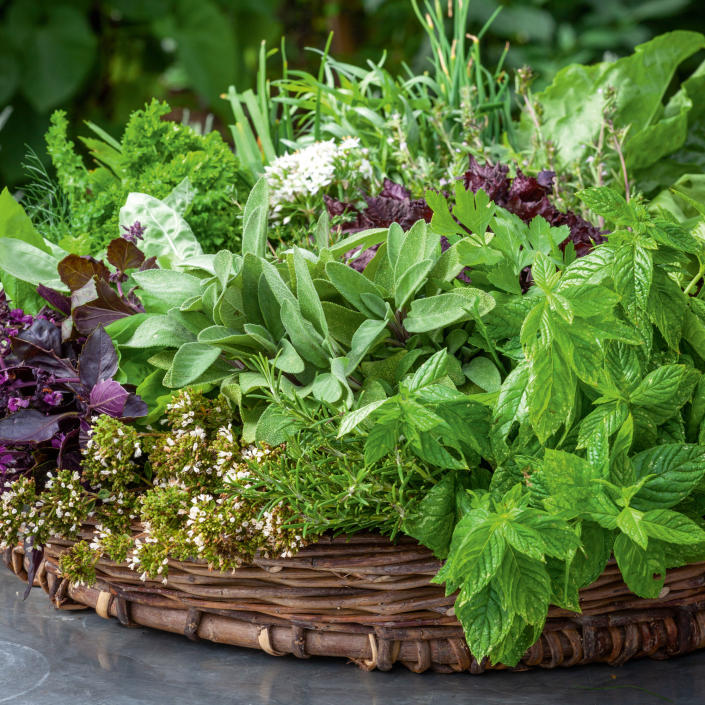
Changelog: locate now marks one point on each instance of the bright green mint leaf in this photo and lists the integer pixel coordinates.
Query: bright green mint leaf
(658, 387)
(485, 621)
(608, 203)
(672, 527)
(630, 522)
(643, 570)
(675, 470)
(632, 271)
(433, 522)
(525, 585)
(592, 555)
(550, 393)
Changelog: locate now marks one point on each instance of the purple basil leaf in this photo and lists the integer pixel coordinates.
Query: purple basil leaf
(124, 255)
(29, 426)
(134, 407)
(98, 360)
(108, 397)
(54, 298)
(97, 304)
(33, 558)
(76, 271)
(42, 335)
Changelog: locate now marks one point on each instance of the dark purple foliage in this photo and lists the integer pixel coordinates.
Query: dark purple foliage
(97, 297)
(49, 392)
(393, 205)
(527, 197)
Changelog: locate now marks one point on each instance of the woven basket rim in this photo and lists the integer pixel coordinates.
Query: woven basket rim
(370, 600)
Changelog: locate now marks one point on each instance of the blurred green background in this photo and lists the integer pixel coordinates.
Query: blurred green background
(101, 60)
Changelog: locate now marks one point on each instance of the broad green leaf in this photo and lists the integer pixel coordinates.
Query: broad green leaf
(676, 470)
(592, 555)
(254, 218)
(29, 264)
(167, 235)
(630, 522)
(351, 284)
(168, 285)
(436, 312)
(62, 49)
(308, 296)
(572, 107)
(484, 373)
(658, 387)
(159, 331)
(303, 336)
(672, 527)
(643, 571)
(411, 281)
(569, 480)
(342, 322)
(381, 440)
(612, 415)
(608, 203)
(667, 306)
(326, 388)
(632, 271)
(475, 555)
(525, 586)
(550, 392)
(395, 239)
(190, 362)
(433, 520)
(431, 371)
(276, 425)
(419, 244)
(511, 403)
(365, 339)
(288, 360)
(485, 621)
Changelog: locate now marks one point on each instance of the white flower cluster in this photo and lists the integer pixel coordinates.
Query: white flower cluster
(309, 170)
(142, 545)
(19, 512)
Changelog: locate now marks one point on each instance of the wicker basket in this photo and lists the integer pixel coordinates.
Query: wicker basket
(370, 601)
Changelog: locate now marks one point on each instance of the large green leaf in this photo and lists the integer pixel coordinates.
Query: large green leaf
(550, 393)
(572, 107)
(643, 570)
(205, 43)
(167, 235)
(190, 362)
(59, 53)
(676, 470)
(29, 264)
(16, 224)
(168, 285)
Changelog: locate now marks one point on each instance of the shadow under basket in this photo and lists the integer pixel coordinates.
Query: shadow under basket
(371, 601)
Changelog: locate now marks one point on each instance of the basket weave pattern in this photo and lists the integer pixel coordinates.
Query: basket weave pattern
(370, 601)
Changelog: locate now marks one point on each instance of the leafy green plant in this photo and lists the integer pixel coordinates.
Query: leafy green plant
(153, 157)
(609, 122)
(415, 126)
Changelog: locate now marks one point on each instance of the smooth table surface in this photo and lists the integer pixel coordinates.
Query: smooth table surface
(48, 657)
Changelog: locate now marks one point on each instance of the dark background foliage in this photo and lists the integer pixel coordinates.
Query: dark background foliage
(101, 60)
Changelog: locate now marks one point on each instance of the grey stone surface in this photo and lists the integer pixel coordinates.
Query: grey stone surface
(62, 658)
